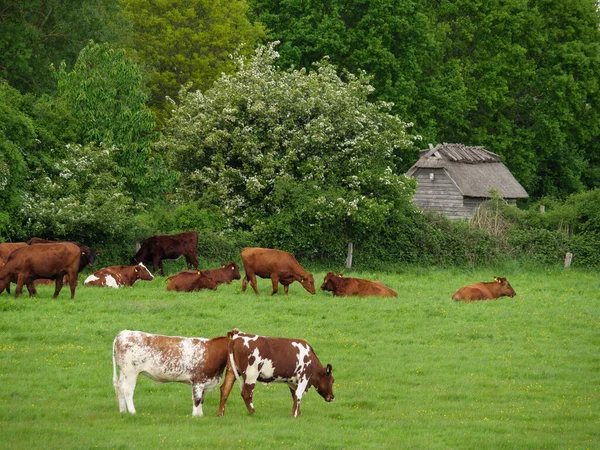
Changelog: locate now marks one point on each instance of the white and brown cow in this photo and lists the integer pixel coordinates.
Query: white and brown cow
(190, 360)
(266, 359)
(117, 276)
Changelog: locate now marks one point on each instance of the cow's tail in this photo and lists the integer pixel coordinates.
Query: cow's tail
(231, 359)
(115, 378)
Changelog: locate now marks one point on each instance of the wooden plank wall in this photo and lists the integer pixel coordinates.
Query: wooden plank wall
(439, 194)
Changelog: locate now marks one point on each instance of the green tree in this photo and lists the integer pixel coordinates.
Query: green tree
(303, 160)
(106, 96)
(517, 76)
(35, 34)
(187, 41)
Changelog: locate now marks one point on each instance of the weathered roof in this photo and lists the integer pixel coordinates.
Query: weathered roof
(474, 170)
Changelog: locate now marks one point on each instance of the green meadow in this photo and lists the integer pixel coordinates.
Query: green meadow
(419, 371)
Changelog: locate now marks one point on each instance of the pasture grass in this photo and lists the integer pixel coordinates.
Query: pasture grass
(419, 371)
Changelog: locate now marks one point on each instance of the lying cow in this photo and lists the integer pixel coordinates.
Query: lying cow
(191, 280)
(345, 287)
(255, 358)
(500, 287)
(196, 361)
(117, 276)
(279, 266)
(52, 261)
(169, 246)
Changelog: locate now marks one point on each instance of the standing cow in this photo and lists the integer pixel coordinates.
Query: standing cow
(491, 290)
(117, 276)
(279, 266)
(255, 358)
(52, 261)
(345, 287)
(190, 360)
(156, 248)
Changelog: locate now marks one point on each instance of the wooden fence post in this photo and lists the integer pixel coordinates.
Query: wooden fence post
(349, 257)
(568, 259)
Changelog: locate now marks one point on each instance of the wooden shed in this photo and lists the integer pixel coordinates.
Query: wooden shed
(454, 179)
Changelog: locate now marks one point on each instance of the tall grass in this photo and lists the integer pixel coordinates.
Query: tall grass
(419, 371)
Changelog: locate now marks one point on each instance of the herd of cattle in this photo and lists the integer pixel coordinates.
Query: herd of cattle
(201, 362)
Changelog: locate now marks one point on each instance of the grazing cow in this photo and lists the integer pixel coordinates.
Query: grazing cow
(279, 266)
(345, 287)
(188, 281)
(258, 358)
(190, 360)
(491, 290)
(52, 261)
(7, 248)
(156, 248)
(117, 276)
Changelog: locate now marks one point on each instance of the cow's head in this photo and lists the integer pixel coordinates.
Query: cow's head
(87, 256)
(142, 272)
(328, 283)
(504, 288)
(234, 268)
(308, 283)
(324, 384)
(205, 281)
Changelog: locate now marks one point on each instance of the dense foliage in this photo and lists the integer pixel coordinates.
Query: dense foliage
(518, 77)
(301, 159)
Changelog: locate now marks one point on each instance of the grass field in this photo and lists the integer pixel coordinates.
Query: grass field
(419, 371)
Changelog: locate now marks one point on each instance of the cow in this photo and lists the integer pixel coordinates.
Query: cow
(255, 358)
(88, 255)
(52, 261)
(7, 248)
(346, 287)
(279, 266)
(197, 361)
(226, 273)
(188, 281)
(491, 290)
(117, 276)
(156, 248)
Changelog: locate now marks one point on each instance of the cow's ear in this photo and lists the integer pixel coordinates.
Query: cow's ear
(83, 253)
(329, 369)
(496, 279)
(136, 270)
(232, 268)
(340, 275)
(229, 335)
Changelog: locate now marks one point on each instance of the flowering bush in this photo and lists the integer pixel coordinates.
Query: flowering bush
(293, 156)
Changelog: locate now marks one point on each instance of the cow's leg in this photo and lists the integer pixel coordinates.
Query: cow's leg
(120, 396)
(59, 285)
(251, 277)
(198, 399)
(31, 288)
(296, 405)
(72, 284)
(275, 283)
(226, 389)
(127, 388)
(20, 282)
(285, 289)
(247, 391)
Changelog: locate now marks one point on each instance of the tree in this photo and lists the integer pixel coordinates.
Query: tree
(517, 76)
(304, 160)
(187, 41)
(106, 96)
(35, 34)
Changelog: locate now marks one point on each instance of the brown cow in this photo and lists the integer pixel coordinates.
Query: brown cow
(52, 261)
(189, 280)
(156, 248)
(196, 361)
(279, 266)
(117, 276)
(491, 290)
(88, 256)
(345, 287)
(255, 358)
(7, 248)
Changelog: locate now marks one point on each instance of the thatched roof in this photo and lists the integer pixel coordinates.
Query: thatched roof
(474, 170)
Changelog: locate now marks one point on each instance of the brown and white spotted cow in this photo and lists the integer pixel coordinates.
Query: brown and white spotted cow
(266, 359)
(190, 360)
(117, 276)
